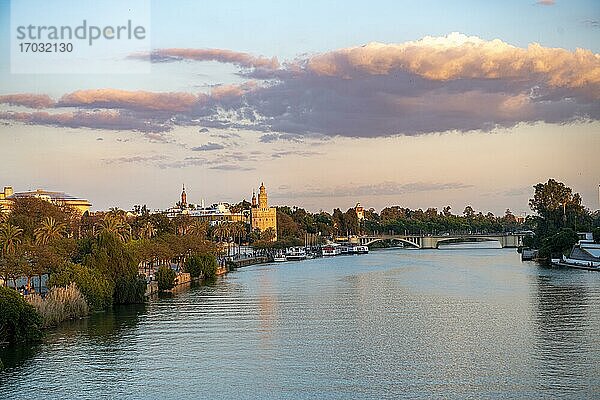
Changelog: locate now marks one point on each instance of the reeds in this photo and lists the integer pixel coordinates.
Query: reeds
(60, 304)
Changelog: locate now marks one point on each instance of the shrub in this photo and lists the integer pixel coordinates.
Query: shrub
(202, 265)
(165, 278)
(60, 304)
(130, 290)
(19, 321)
(95, 287)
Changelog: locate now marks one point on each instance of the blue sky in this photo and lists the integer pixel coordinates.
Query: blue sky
(374, 105)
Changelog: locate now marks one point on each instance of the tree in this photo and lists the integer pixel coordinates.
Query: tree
(183, 222)
(49, 230)
(95, 287)
(221, 231)
(558, 244)
(557, 205)
(339, 222)
(469, 212)
(165, 278)
(446, 211)
(202, 265)
(596, 234)
(10, 237)
(114, 223)
(109, 255)
(19, 322)
(198, 228)
(148, 231)
(268, 235)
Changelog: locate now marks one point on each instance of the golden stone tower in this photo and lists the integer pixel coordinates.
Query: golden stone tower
(262, 216)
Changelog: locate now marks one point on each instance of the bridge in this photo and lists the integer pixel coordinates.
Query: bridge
(433, 241)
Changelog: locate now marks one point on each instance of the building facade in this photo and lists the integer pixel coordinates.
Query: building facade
(215, 214)
(57, 198)
(4, 201)
(262, 216)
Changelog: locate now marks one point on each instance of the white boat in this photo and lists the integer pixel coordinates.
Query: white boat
(331, 250)
(279, 257)
(295, 253)
(584, 255)
(361, 249)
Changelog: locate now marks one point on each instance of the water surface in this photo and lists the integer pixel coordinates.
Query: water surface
(470, 323)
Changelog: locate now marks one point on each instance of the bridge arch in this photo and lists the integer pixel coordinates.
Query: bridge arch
(397, 239)
(467, 239)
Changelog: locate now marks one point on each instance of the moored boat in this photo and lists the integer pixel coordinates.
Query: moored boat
(295, 253)
(331, 250)
(279, 257)
(584, 255)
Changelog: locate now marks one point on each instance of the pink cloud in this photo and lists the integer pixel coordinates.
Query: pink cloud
(105, 119)
(244, 60)
(457, 56)
(133, 100)
(28, 100)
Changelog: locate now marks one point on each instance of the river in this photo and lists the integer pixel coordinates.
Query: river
(453, 323)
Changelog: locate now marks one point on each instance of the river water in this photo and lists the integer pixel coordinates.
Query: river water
(460, 323)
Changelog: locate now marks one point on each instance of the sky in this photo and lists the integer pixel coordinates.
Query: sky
(412, 103)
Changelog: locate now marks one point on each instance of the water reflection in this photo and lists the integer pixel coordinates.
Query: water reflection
(565, 339)
(69, 343)
(266, 310)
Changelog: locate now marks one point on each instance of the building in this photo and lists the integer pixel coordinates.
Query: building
(217, 213)
(4, 202)
(262, 216)
(57, 198)
(360, 212)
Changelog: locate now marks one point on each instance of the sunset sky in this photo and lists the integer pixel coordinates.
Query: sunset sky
(412, 103)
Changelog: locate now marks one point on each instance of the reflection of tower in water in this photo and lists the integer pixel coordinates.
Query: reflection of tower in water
(267, 307)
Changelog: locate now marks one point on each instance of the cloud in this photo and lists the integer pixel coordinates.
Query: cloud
(244, 60)
(436, 84)
(27, 100)
(134, 159)
(132, 100)
(231, 167)
(105, 119)
(457, 57)
(516, 191)
(546, 2)
(210, 146)
(592, 23)
(378, 189)
(299, 153)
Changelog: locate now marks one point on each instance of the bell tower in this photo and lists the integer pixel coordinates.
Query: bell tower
(262, 197)
(183, 198)
(263, 217)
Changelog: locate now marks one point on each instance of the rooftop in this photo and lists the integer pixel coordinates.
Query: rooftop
(54, 196)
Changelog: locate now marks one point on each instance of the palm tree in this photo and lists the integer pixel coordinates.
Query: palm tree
(116, 225)
(49, 230)
(10, 237)
(198, 228)
(183, 222)
(237, 229)
(148, 230)
(220, 231)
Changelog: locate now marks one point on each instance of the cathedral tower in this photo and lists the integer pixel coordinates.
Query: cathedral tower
(183, 198)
